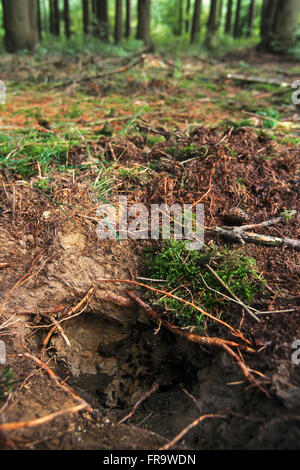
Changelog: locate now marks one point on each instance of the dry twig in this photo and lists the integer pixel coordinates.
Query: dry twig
(38, 421)
(232, 294)
(182, 433)
(143, 398)
(239, 234)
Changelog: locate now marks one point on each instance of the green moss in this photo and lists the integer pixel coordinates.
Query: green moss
(185, 273)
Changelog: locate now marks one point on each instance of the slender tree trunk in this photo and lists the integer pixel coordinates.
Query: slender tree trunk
(128, 19)
(196, 22)
(251, 16)
(39, 18)
(144, 21)
(20, 20)
(180, 17)
(212, 25)
(86, 16)
(118, 35)
(237, 29)
(67, 21)
(54, 11)
(220, 10)
(187, 16)
(51, 17)
(102, 19)
(228, 17)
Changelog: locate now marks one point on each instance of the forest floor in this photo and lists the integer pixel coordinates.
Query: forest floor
(82, 354)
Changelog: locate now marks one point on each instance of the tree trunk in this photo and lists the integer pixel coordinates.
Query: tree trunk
(179, 18)
(212, 23)
(67, 19)
(102, 19)
(251, 16)
(144, 21)
(86, 16)
(118, 35)
(39, 18)
(128, 19)
(285, 26)
(20, 19)
(51, 16)
(228, 17)
(54, 17)
(237, 29)
(268, 14)
(94, 7)
(187, 16)
(220, 10)
(196, 22)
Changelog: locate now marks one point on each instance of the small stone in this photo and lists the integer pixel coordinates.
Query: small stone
(46, 215)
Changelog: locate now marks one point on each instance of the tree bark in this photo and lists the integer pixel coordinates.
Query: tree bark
(118, 35)
(128, 19)
(144, 20)
(212, 25)
(54, 17)
(220, 10)
(67, 21)
(187, 16)
(20, 19)
(196, 22)
(85, 16)
(251, 16)
(51, 16)
(237, 29)
(179, 18)
(102, 19)
(285, 25)
(228, 17)
(39, 19)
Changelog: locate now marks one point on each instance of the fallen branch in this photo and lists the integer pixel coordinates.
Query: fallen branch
(252, 79)
(188, 428)
(125, 68)
(238, 234)
(3, 265)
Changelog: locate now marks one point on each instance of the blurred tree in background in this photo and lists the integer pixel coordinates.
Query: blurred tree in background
(273, 24)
